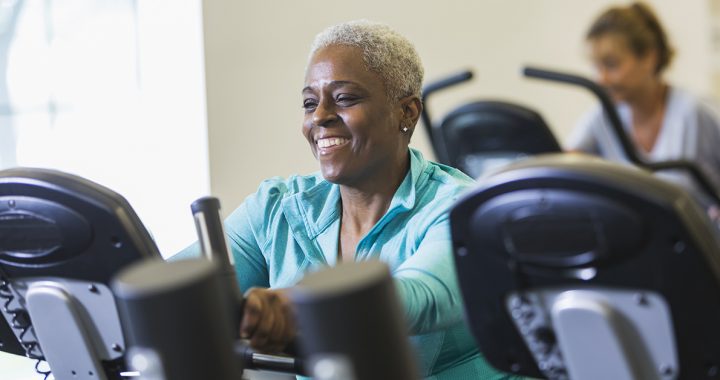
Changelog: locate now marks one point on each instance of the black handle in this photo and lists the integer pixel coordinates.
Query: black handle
(258, 361)
(435, 135)
(452, 80)
(206, 212)
(628, 147)
(607, 105)
(211, 236)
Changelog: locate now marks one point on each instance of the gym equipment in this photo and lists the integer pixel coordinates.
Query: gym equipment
(627, 145)
(361, 295)
(572, 267)
(64, 240)
(481, 135)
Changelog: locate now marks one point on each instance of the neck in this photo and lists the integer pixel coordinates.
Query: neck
(649, 101)
(364, 204)
(360, 211)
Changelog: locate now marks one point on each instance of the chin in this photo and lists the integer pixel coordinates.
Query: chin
(618, 94)
(617, 97)
(332, 175)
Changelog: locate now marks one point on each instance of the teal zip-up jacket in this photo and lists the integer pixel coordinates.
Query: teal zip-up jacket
(291, 226)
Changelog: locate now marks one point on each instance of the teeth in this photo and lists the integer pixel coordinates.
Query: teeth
(331, 141)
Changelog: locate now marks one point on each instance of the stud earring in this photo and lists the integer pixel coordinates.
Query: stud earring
(405, 129)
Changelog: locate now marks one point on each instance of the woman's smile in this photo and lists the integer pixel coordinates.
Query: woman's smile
(328, 145)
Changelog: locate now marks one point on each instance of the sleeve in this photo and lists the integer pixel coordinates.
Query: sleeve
(427, 283)
(245, 249)
(583, 138)
(190, 252)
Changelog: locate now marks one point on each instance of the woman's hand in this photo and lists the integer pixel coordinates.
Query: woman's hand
(268, 320)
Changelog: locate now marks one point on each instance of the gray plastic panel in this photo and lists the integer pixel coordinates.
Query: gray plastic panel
(63, 333)
(597, 333)
(97, 308)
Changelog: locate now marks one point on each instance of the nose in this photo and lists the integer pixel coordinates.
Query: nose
(603, 77)
(324, 114)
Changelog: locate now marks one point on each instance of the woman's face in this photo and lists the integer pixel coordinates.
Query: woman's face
(353, 128)
(619, 69)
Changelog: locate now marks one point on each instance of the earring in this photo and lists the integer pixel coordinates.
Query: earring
(405, 129)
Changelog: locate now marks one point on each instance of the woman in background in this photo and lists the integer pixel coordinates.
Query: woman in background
(630, 51)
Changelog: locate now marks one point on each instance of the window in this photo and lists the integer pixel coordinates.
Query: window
(113, 91)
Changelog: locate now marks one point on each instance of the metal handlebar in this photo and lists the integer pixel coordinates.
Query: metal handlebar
(435, 135)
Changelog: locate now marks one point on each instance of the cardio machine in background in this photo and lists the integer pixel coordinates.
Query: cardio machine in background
(84, 288)
(482, 135)
(704, 191)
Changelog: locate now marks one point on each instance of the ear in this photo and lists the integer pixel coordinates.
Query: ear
(411, 107)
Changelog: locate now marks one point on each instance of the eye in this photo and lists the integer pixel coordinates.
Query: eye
(346, 99)
(309, 105)
(610, 63)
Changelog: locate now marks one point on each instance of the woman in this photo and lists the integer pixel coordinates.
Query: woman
(630, 51)
(374, 198)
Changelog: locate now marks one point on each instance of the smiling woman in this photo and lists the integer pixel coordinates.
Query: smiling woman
(354, 128)
(374, 198)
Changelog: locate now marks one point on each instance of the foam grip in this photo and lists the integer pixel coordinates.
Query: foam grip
(179, 310)
(352, 324)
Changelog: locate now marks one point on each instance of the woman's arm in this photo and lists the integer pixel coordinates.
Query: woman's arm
(582, 138)
(245, 248)
(427, 283)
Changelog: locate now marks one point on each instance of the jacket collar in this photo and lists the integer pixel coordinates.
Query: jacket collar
(311, 212)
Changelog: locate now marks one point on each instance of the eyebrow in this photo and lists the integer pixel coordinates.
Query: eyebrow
(334, 84)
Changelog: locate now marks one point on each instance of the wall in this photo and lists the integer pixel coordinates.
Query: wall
(256, 53)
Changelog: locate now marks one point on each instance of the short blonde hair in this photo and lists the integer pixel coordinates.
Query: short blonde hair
(385, 52)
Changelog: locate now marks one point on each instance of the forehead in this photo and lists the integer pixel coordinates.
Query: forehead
(610, 43)
(339, 63)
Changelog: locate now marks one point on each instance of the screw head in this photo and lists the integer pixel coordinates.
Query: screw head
(666, 370)
(642, 299)
(679, 246)
(712, 370)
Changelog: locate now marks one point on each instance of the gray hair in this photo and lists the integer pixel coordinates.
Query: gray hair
(385, 52)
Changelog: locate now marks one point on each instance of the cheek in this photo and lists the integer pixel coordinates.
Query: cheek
(368, 123)
(631, 70)
(306, 132)
(305, 129)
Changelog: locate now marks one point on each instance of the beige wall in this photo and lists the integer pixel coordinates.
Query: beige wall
(256, 53)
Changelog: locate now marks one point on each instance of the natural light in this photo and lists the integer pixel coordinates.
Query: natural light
(113, 91)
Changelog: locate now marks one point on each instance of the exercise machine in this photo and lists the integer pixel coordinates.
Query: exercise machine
(84, 288)
(157, 300)
(62, 239)
(572, 267)
(481, 135)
